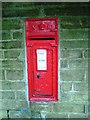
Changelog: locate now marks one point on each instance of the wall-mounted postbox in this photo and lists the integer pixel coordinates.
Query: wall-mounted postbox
(42, 58)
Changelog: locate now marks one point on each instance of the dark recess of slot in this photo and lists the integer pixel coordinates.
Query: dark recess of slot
(41, 38)
(42, 95)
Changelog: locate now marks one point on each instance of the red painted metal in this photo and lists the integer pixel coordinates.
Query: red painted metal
(42, 58)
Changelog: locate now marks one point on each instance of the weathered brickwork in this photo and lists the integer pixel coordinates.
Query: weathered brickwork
(74, 56)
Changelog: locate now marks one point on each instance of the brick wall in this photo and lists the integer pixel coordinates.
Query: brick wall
(73, 61)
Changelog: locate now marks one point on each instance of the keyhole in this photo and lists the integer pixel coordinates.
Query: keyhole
(38, 76)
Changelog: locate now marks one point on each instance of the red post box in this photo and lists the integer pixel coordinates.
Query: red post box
(42, 58)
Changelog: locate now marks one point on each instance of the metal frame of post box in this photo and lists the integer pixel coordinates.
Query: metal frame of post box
(42, 34)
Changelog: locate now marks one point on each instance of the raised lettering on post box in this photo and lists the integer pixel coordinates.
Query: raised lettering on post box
(42, 59)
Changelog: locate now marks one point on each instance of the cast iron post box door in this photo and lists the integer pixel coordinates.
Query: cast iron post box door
(42, 59)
